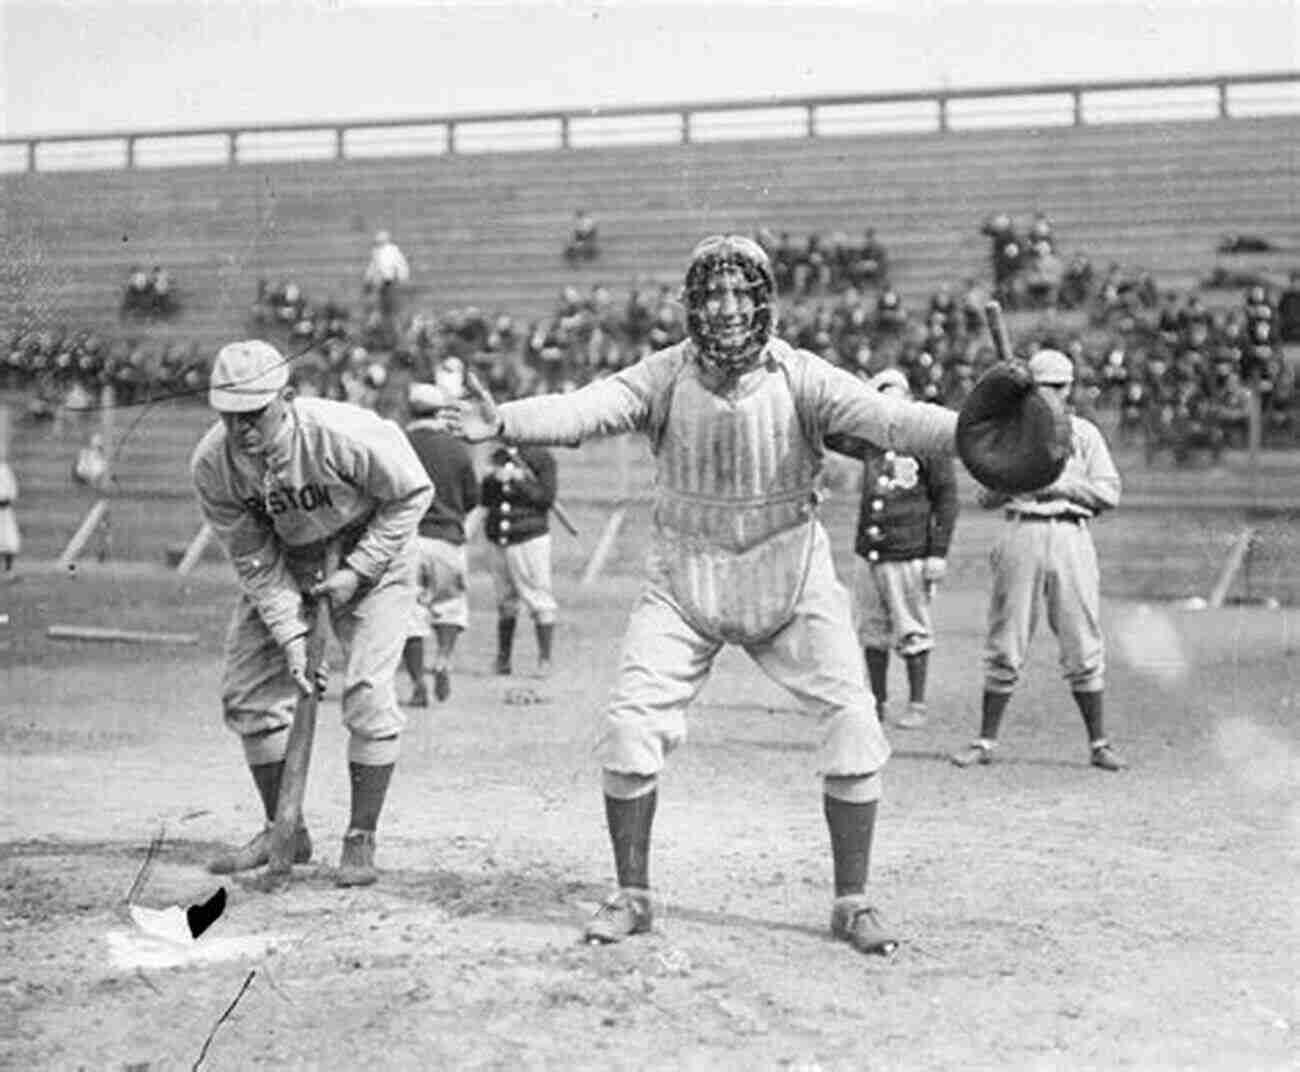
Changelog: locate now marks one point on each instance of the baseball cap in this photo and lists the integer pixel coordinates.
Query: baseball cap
(887, 378)
(426, 398)
(1051, 367)
(246, 376)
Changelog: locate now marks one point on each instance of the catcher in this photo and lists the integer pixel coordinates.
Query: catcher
(736, 420)
(282, 480)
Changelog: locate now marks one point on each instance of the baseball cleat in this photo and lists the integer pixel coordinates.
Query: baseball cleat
(441, 685)
(419, 696)
(257, 853)
(913, 718)
(544, 668)
(980, 752)
(853, 920)
(1104, 757)
(626, 913)
(357, 863)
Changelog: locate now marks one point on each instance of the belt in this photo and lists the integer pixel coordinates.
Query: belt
(1065, 519)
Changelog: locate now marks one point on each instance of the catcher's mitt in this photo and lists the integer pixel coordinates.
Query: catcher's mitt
(1012, 436)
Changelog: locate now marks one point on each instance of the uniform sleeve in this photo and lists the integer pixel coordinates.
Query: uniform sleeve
(941, 483)
(612, 406)
(843, 404)
(1091, 479)
(383, 464)
(1103, 481)
(250, 542)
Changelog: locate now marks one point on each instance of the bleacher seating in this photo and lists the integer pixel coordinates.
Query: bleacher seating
(487, 229)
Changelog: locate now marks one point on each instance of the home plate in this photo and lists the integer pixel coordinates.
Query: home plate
(129, 950)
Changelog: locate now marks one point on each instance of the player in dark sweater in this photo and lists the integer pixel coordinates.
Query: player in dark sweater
(905, 525)
(443, 605)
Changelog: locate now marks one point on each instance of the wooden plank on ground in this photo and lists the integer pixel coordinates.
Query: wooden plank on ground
(121, 636)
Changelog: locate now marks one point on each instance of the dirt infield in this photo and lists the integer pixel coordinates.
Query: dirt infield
(1053, 916)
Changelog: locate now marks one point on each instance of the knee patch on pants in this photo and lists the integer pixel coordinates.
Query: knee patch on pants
(854, 789)
(627, 786)
(268, 746)
(373, 751)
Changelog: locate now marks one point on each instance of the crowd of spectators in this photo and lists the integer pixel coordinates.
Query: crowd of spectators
(817, 265)
(1172, 373)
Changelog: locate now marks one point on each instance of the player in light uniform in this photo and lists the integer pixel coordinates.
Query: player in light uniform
(736, 420)
(281, 480)
(1045, 559)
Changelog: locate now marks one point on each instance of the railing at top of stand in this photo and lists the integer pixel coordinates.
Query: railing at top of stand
(566, 120)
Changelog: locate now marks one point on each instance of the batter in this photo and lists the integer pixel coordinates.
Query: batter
(280, 479)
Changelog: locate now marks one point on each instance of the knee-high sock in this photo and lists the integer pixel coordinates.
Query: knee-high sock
(992, 707)
(369, 788)
(878, 672)
(630, 823)
(266, 776)
(917, 665)
(1092, 709)
(851, 827)
(413, 659)
(545, 636)
(446, 636)
(505, 639)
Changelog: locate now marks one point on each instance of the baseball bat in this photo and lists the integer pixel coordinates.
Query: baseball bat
(297, 756)
(556, 508)
(998, 330)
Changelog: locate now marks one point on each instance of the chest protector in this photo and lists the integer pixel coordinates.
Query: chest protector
(735, 509)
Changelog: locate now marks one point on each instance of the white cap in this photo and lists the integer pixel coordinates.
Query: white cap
(1051, 367)
(246, 376)
(426, 398)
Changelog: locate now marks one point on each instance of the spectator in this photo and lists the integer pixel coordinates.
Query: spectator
(10, 538)
(137, 300)
(162, 294)
(1230, 409)
(584, 245)
(784, 259)
(869, 263)
(812, 271)
(1006, 255)
(385, 276)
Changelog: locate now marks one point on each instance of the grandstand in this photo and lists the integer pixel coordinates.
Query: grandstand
(487, 228)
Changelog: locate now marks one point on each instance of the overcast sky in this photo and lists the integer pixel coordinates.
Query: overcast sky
(101, 66)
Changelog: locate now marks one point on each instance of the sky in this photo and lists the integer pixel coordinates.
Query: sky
(123, 65)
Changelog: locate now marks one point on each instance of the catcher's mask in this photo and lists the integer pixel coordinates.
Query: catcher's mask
(729, 302)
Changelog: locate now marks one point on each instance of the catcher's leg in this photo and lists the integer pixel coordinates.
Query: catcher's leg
(258, 699)
(815, 657)
(870, 611)
(664, 665)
